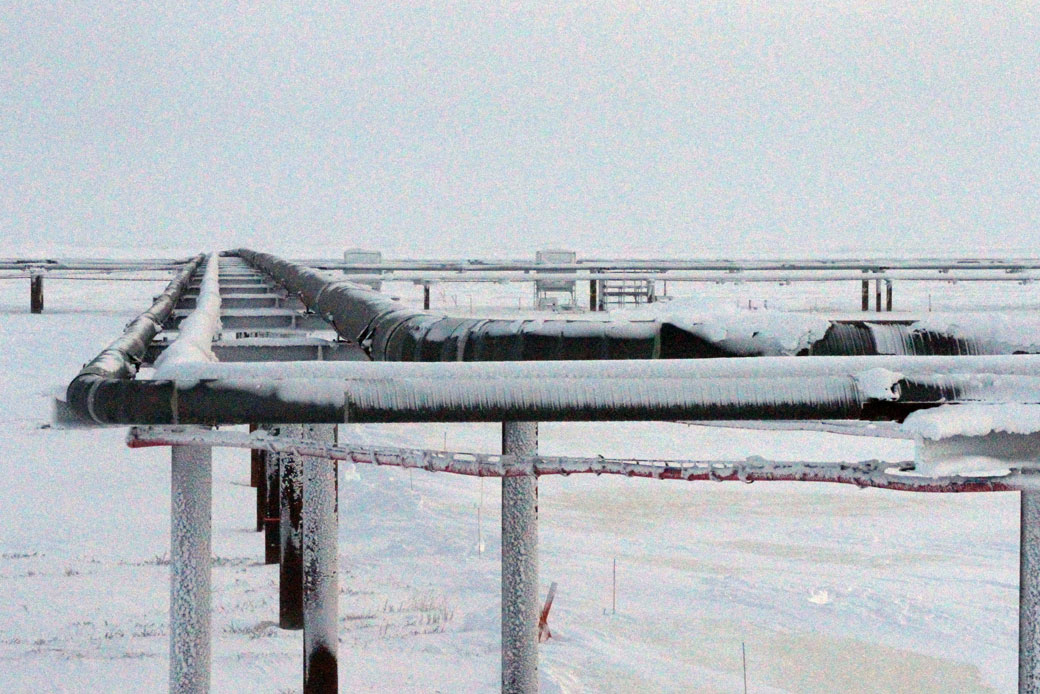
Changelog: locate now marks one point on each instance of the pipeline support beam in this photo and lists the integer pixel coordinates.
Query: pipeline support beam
(1029, 595)
(320, 580)
(290, 575)
(190, 542)
(520, 565)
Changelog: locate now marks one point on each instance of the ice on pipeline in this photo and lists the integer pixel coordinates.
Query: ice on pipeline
(194, 343)
(973, 419)
(768, 332)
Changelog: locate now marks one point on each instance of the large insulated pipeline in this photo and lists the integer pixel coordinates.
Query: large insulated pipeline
(119, 361)
(391, 331)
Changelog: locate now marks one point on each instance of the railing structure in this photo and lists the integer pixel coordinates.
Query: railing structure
(531, 371)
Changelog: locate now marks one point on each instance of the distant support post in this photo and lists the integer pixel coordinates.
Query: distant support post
(888, 295)
(1029, 595)
(593, 295)
(426, 297)
(865, 299)
(36, 293)
(190, 550)
(320, 581)
(520, 566)
(290, 575)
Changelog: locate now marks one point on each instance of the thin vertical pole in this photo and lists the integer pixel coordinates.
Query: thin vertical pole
(888, 295)
(272, 508)
(36, 294)
(865, 295)
(613, 589)
(877, 295)
(1029, 595)
(320, 581)
(426, 297)
(520, 565)
(290, 575)
(593, 295)
(255, 466)
(191, 484)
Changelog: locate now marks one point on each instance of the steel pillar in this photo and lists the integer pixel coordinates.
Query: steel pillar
(290, 575)
(520, 566)
(272, 505)
(36, 294)
(593, 295)
(888, 295)
(1029, 595)
(877, 295)
(426, 297)
(865, 299)
(320, 581)
(190, 521)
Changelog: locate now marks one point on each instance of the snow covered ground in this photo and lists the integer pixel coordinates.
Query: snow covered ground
(832, 589)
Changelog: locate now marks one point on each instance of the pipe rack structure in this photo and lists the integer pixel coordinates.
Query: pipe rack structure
(530, 371)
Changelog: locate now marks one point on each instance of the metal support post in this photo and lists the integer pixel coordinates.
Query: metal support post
(1029, 595)
(866, 295)
(255, 462)
(320, 582)
(426, 297)
(290, 576)
(520, 566)
(593, 295)
(272, 505)
(877, 295)
(190, 520)
(888, 295)
(36, 294)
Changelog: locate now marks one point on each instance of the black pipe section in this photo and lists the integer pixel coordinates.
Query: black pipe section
(117, 363)
(390, 331)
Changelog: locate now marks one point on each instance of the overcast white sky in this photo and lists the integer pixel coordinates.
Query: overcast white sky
(479, 128)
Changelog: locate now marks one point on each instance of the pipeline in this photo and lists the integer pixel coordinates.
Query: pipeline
(118, 362)
(391, 331)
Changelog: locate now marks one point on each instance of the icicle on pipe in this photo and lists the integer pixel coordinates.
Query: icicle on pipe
(191, 490)
(194, 343)
(320, 582)
(1029, 595)
(520, 565)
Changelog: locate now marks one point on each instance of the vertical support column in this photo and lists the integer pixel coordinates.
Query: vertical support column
(36, 293)
(593, 295)
(877, 295)
(272, 506)
(1029, 595)
(888, 295)
(290, 577)
(191, 484)
(520, 566)
(320, 580)
(255, 466)
(865, 303)
(426, 297)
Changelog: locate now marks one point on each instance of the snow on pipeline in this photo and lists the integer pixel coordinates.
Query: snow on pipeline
(832, 589)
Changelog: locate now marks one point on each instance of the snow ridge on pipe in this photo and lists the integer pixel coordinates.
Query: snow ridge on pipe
(194, 343)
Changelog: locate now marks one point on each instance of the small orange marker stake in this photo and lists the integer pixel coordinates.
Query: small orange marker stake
(543, 622)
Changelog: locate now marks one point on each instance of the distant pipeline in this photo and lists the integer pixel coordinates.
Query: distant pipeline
(390, 331)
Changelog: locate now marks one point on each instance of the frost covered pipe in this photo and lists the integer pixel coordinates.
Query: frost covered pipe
(867, 396)
(391, 331)
(190, 520)
(520, 565)
(118, 362)
(1029, 594)
(320, 581)
(196, 333)
(898, 476)
(290, 573)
